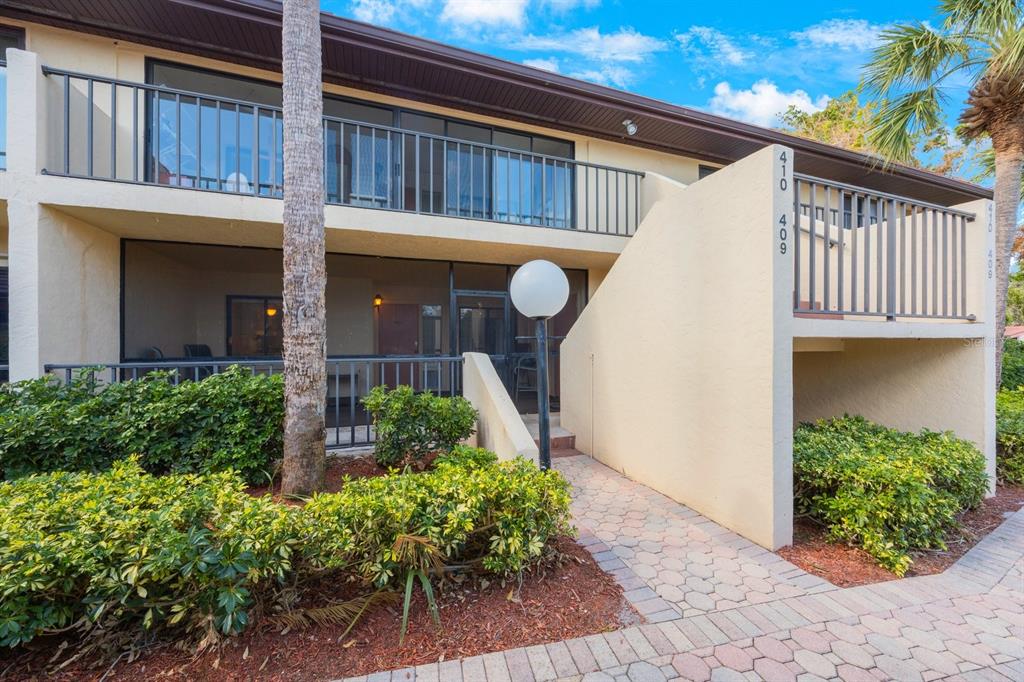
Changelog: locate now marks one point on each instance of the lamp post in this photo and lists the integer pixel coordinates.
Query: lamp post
(539, 291)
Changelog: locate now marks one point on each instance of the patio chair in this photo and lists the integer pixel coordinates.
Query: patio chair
(525, 375)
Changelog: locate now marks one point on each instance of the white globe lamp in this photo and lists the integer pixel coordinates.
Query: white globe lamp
(539, 291)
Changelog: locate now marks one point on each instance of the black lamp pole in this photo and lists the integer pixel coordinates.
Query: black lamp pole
(543, 406)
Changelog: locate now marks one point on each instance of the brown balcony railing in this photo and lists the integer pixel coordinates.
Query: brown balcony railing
(349, 379)
(134, 132)
(862, 252)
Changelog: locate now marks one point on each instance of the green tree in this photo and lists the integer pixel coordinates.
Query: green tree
(1015, 300)
(846, 122)
(978, 40)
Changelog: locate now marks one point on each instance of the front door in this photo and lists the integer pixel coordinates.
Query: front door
(482, 319)
(398, 334)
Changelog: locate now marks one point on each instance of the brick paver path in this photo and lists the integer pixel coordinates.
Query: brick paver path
(721, 608)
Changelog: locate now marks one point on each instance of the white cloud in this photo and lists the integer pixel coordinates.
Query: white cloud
(606, 74)
(762, 103)
(704, 40)
(566, 5)
(485, 12)
(625, 45)
(549, 64)
(843, 34)
(384, 11)
(598, 57)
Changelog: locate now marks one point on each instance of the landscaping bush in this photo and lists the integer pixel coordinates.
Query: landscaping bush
(232, 420)
(885, 490)
(1013, 364)
(124, 552)
(492, 515)
(1010, 435)
(410, 425)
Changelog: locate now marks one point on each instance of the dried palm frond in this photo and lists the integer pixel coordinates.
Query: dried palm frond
(343, 613)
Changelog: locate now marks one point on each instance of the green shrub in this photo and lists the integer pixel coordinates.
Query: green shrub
(231, 420)
(1013, 364)
(409, 425)
(123, 550)
(126, 552)
(885, 490)
(491, 515)
(1010, 435)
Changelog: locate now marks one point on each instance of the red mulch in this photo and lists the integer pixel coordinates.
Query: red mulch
(362, 466)
(568, 598)
(848, 566)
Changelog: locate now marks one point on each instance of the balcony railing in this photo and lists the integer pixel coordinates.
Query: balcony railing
(861, 252)
(133, 132)
(348, 380)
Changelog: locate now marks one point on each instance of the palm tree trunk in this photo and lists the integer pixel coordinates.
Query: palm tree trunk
(1006, 200)
(305, 277)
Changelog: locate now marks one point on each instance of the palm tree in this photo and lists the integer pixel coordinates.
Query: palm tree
(982, 41)
(305, 277)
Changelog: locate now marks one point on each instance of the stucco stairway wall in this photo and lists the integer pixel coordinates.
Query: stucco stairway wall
(908, 384)
(678, 373)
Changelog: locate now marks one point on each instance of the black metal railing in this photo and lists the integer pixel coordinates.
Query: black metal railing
(861, 252)
(134, 132)
(348, 380)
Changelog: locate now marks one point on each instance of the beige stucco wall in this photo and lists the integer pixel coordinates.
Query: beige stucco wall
(908, 384)
(64, 287)
(499, 427)
(678, 371)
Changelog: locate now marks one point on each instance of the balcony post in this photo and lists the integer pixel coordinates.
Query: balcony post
(27, 114)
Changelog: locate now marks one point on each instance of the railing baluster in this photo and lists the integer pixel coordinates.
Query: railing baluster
(963, 266)
(945, 264)
(113, 131)
(812, 219)
(841, 238)
(913, 260)
(796, 245)
(935, 263)
(89, 132)
(826, 250)
(67, 124)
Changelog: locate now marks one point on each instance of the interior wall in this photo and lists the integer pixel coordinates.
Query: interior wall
(908, 384)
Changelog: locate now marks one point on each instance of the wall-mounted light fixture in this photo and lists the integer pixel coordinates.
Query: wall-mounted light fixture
(377, 300)
(631, 127)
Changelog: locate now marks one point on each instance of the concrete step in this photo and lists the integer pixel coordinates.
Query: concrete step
(561, 438)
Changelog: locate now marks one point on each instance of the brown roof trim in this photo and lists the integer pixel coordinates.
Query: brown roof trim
(697, 133)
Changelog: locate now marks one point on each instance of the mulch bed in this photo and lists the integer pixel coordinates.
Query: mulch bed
(337, 468)
(848, 566)
(568, 596)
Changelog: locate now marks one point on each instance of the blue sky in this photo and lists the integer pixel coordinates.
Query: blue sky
(746, 60)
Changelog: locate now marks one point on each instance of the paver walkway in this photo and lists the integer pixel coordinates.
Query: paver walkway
(721, 608)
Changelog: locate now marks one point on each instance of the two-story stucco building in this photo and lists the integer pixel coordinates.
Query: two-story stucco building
(726, 280)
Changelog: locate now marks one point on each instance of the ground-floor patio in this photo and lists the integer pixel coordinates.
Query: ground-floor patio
(718, 607)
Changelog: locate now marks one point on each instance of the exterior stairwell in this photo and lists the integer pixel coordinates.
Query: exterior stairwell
(561, 438)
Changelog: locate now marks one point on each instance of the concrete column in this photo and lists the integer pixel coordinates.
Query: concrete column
(26, 113)
(64, 272)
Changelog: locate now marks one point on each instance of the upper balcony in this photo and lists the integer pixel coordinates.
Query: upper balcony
(114, 130)
(865, 255)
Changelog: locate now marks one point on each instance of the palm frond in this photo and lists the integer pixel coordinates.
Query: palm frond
(913, 55)
(419, 553)
(983, 16)
(1007, 59)
(343, 613)
(895, 126)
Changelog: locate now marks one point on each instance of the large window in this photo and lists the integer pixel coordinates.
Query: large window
(254, 326)
(235, 144)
